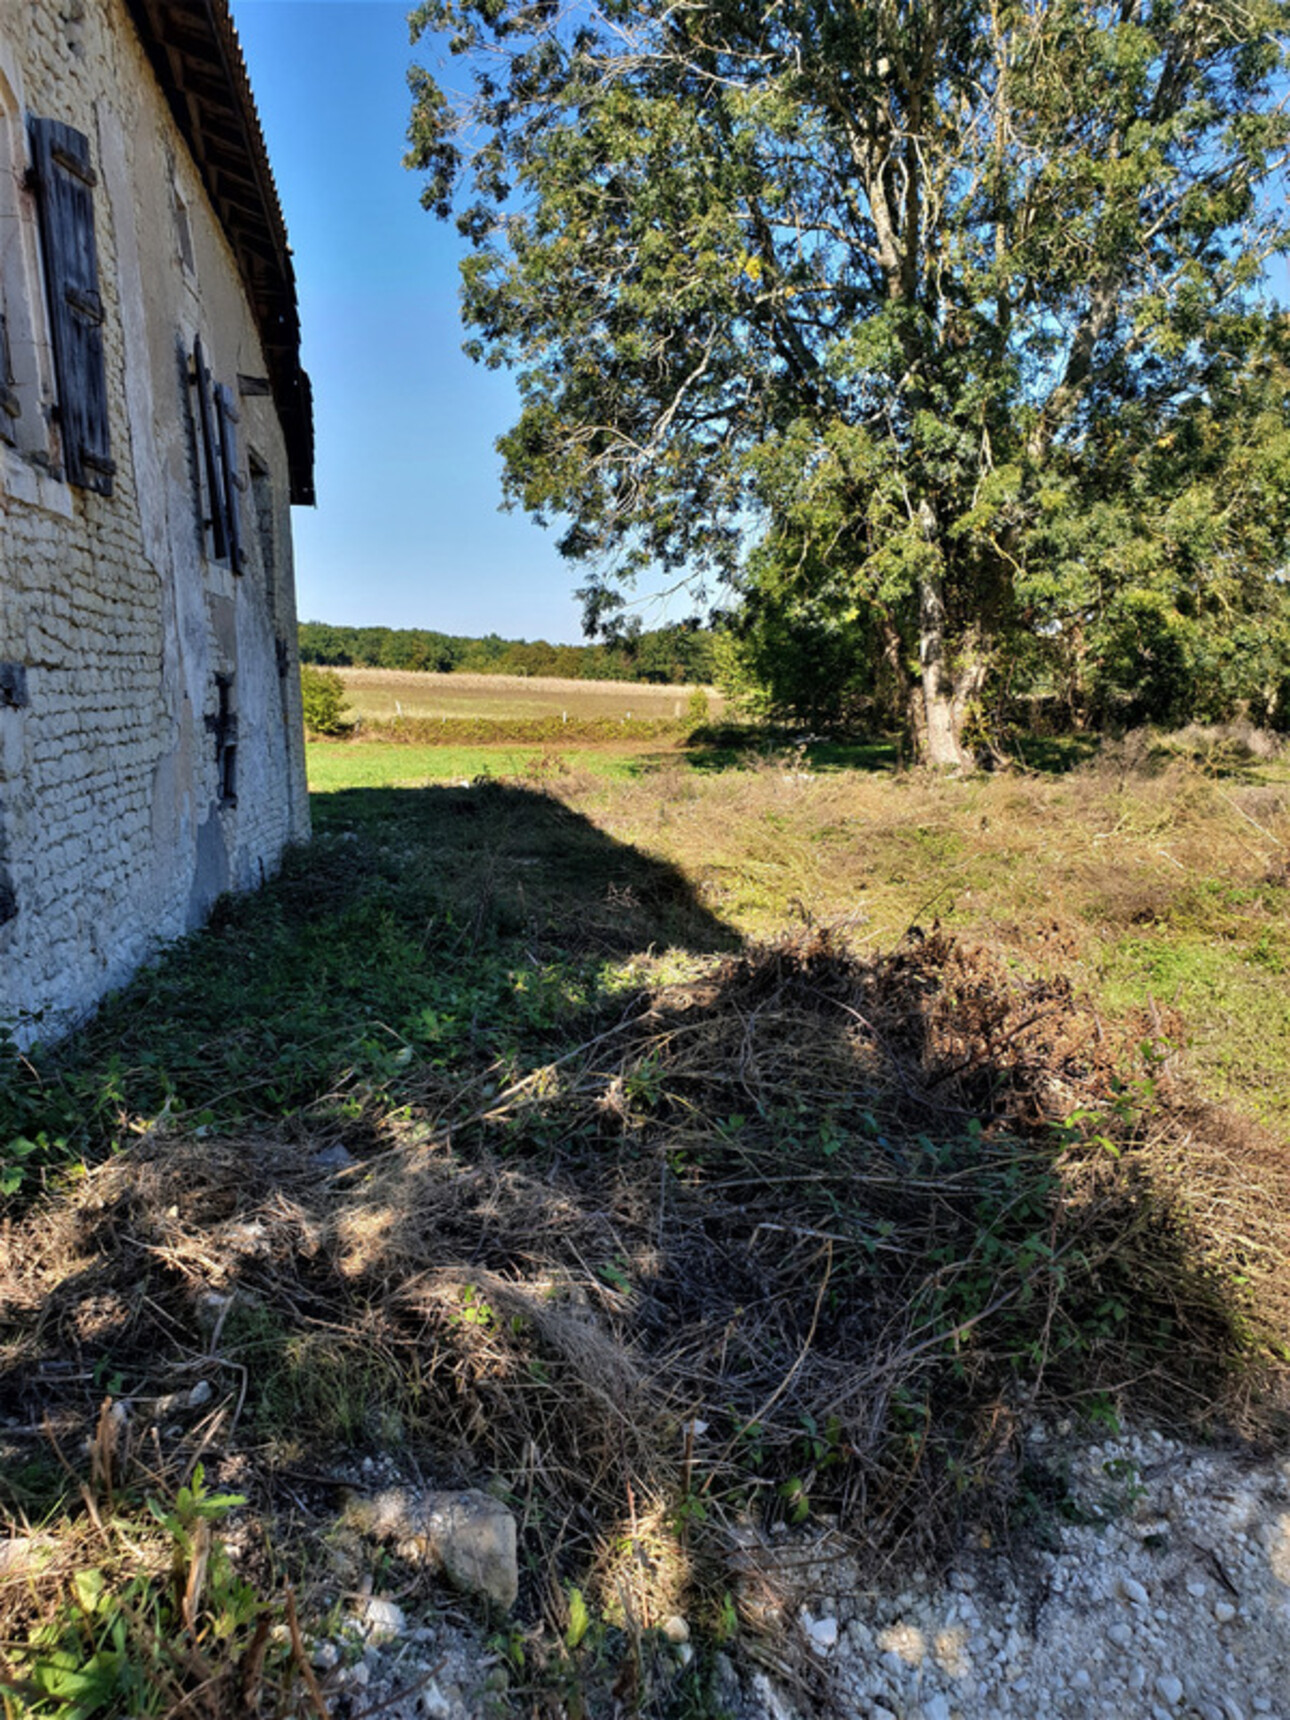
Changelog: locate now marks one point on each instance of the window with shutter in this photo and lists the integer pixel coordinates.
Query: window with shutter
(10, 408)
(27, 381)
(217, 420)
(229, 418)
(212, 465)
(65, 182)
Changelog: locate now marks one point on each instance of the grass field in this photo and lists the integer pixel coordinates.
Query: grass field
(380, 694)
(1163, 889)
(376, 764)
(550, 1102)
(1159, 889)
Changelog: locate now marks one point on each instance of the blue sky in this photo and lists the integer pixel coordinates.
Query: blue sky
(407, 531)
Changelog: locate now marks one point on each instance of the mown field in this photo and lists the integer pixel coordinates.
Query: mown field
(381, 694)
(543, 1109)
(379, 764)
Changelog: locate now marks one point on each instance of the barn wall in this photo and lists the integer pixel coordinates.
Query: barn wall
(125, 646)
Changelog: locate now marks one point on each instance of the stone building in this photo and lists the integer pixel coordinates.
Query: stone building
(155, 426)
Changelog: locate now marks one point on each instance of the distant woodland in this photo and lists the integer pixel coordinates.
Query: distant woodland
(668, 655)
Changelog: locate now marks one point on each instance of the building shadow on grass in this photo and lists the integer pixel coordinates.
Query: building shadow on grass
(487, 911)
(514, 861)
(430, 948)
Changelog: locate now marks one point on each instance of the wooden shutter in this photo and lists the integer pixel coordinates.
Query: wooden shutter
(211, 462)
(9, 406)
(65, 183)
(229, 418)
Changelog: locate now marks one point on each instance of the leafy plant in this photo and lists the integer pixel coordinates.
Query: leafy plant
(579, 1620)
(124, 1637)
(323, 699)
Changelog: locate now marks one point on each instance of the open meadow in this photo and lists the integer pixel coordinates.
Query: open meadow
(541, 1110)
(382, 694)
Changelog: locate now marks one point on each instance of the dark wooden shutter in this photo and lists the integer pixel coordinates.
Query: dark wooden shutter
(212, 464)
(65, 183)
(9, 406)
(229, 418)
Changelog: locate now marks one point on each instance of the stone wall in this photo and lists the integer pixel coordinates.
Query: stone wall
(132, 661)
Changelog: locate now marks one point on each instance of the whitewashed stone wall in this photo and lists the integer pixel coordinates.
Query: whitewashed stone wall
(114, 619)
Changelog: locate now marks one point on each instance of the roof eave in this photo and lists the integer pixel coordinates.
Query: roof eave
(195, 53)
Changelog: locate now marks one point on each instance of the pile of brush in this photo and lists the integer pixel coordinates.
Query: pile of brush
(811, 1237)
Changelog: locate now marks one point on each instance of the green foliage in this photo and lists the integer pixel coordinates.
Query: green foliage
(126, 1640)
(940, 333)
(799, 650)
(697, 709)
(401, 940)
(41, 1120)
(664, 655)
(322, 694)
(579, 1620)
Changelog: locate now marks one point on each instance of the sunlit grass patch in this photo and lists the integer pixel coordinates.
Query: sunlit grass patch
(1232, 999)
(334, 765)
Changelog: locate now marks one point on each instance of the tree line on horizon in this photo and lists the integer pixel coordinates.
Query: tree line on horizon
(671, 655)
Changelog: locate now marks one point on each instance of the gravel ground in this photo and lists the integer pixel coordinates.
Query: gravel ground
(1160, 1589)
(1165, 1593)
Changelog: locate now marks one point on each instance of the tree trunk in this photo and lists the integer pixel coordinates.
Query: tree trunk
(940, 703)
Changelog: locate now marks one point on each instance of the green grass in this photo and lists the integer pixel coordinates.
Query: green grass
(389, 763)
(379, 764)
(352, 967)
(424, 930)
(1233, 1001)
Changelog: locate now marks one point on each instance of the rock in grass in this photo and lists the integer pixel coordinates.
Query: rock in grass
(469, 1536)
(822, 1632)
(383, 1618)
(334, 1158)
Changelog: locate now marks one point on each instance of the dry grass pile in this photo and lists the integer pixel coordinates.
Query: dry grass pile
(1170, 884)
(812, 1236)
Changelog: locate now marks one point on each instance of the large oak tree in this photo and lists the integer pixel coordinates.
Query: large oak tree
(937, 315)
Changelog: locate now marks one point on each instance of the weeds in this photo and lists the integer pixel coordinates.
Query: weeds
(662, 1232)
(480, 1140)
(136, 1606)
